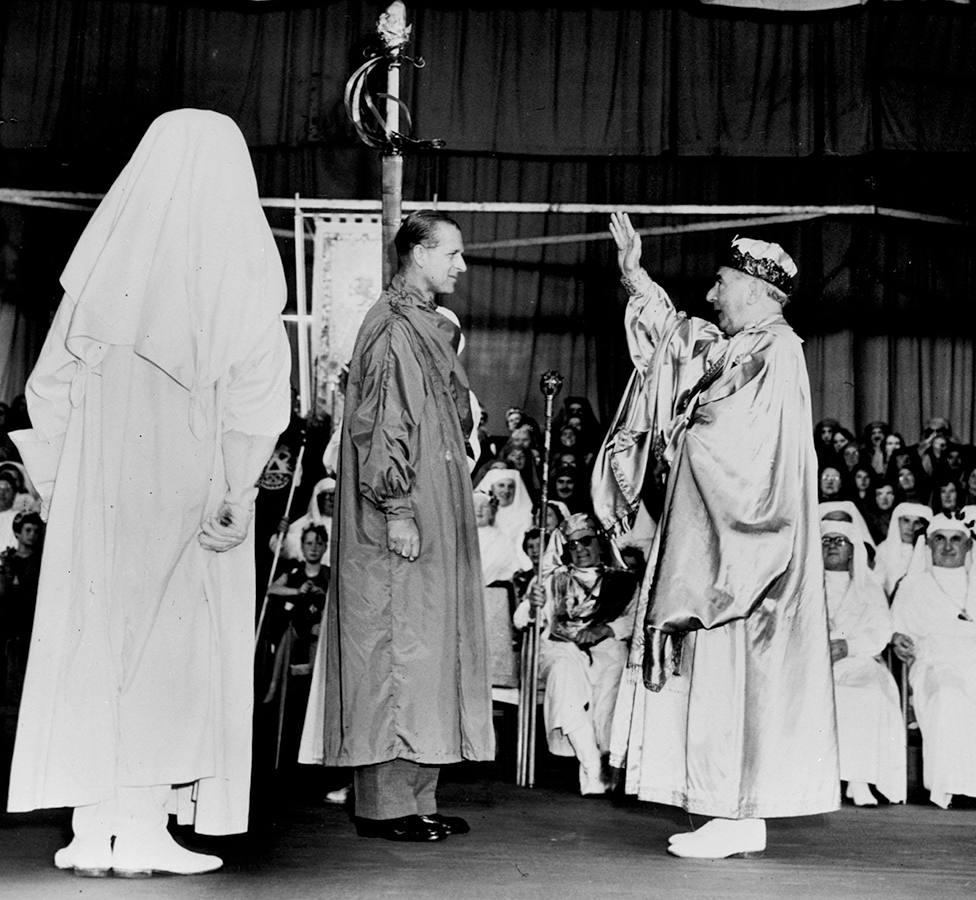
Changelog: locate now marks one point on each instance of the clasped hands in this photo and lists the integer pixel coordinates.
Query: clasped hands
(585, 637)
(226, 528)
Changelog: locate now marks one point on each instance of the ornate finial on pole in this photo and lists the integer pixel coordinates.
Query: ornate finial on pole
(382, 130)
(392, 27)
(550, 383)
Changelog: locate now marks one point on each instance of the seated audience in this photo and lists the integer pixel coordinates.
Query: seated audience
(862, 487)
(935, 633)
(908, 523)
(878, 513)
(946, 495)
(851, 456)
(969, 483)
(301, 591)
(320, 509)
(831, 484)
(842, 437)
(8, 493)
(20, 569)
(513, 515)
(586, 619)
(870, 727)
(911, 485)
(873, 441)
(501, 554)
(893, 443)
(823, 441)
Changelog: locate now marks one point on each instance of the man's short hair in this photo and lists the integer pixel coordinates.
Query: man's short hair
(420, 228)
(319, 530)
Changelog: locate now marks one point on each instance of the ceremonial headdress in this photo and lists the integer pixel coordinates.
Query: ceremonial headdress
(861, 572)
(576, 523)
(763, 260)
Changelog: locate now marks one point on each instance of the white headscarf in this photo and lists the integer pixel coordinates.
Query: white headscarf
(863, 533)
(516, 518)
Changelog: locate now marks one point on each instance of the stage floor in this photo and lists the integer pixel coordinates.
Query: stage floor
(547, 842)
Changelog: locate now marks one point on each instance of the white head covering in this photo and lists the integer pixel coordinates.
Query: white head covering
(862, 531)
(516, 518)
(314, 515)
(178, 259)
(922, 556)
(861, 573)
(501, 557)
(902, 510)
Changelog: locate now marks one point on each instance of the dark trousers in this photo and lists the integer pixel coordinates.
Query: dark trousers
(390, 790)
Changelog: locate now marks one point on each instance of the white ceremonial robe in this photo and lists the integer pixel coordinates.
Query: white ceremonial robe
(580, 687)
(870, 727)
(943, 676)
(746, 727)
(141, 659)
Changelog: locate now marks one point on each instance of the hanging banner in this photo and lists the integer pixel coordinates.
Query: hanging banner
(346, 282)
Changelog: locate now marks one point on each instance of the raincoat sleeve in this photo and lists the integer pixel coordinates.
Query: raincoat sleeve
(384, 427)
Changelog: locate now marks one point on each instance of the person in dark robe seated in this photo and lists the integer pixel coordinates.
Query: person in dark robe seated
(587, 621)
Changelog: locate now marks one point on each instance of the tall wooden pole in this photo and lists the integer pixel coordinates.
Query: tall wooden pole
(394, 32)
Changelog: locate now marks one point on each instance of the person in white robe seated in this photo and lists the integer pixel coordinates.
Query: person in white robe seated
(587, 620)
(908, 522)
(501, 556)
(870, 727)
(935, 634)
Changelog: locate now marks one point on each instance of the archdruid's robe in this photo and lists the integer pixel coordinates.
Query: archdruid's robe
(407, 657)
(745, 727)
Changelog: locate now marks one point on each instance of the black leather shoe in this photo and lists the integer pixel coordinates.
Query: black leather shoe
(406, 828)
(451, 824)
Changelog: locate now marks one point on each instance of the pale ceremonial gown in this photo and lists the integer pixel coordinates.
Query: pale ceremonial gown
(894, 556)
(746, 726)
(870, 727)
(580, 686)
(168, 336)
(943, 676)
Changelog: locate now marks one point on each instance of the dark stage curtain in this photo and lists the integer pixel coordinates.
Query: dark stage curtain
(628, 102)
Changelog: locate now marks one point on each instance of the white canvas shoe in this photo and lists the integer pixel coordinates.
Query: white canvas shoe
(720, 839)
(145, 856)
(860, 794)
(86, 857)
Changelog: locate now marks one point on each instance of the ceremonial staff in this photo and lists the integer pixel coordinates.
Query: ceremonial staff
(549, 384)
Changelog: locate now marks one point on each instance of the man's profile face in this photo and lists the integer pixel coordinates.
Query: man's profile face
(908, 527)
(949, 548)
(837, 552)
(441, 264)
(730, 296)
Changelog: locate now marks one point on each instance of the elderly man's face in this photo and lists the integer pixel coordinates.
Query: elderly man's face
(837, 552)
(829, 481)
(731, 295)
(908, 528)
(949, 548)
(584, 548)
(504, 491)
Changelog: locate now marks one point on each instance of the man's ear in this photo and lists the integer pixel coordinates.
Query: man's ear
(419, 254)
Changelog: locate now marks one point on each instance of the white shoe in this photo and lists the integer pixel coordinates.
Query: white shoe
(142, 857)
(720, 839)
(942, 800)
(860, 793)
(88, 858)
(340, 796)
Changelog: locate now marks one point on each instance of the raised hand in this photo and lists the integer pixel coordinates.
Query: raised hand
(628, 244)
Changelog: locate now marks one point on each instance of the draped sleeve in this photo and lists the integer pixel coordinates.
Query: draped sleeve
(383, 429)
